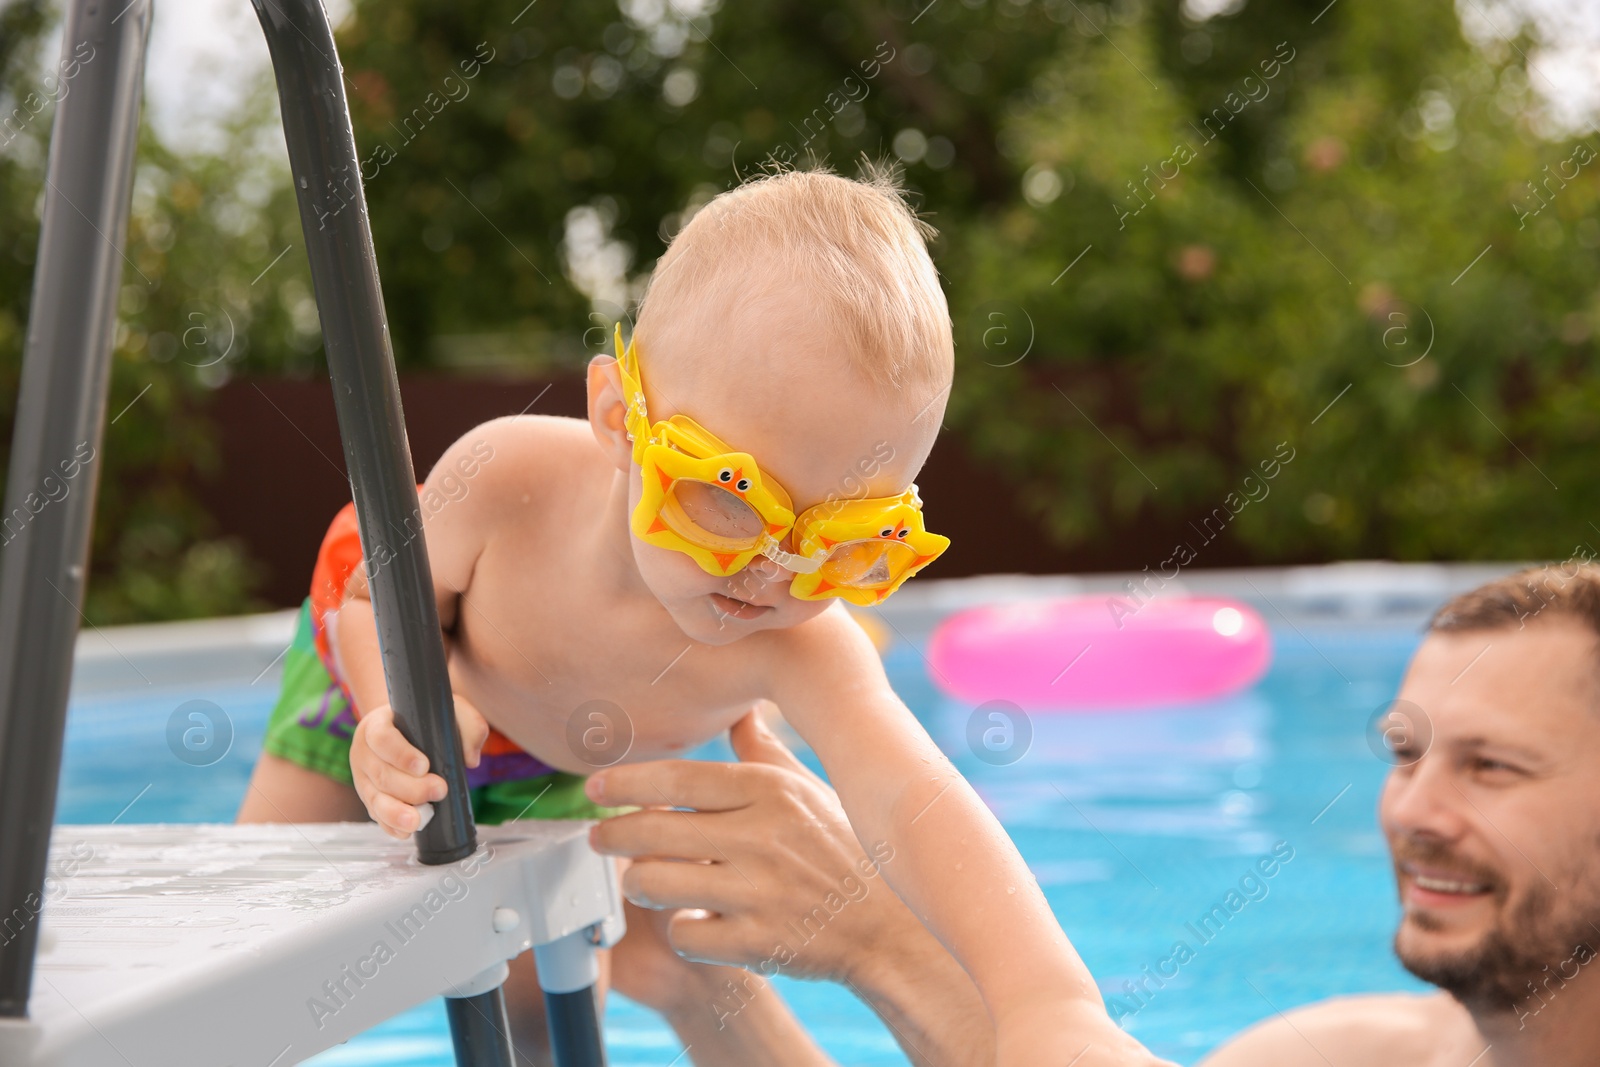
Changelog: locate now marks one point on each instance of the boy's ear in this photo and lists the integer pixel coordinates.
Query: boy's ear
(606, 410)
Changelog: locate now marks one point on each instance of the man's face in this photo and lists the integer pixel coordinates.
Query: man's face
(1492, 812)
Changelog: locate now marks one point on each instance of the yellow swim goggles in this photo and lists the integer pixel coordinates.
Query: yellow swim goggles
(704, 499)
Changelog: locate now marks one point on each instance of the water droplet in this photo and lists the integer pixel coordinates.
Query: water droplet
(302, 182)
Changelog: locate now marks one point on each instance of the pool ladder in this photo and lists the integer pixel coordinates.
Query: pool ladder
(197, 945)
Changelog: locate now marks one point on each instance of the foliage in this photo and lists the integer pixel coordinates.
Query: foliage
(1312, 243)
(1139, 329)
(1325, 247)
(621, 121)
(193, 244)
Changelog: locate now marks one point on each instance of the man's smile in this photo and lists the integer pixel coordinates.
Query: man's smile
(1439, 887)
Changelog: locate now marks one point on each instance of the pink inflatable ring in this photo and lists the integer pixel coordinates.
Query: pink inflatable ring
(1100, 652)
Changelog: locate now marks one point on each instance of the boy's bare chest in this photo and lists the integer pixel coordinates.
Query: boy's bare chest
(583, 682)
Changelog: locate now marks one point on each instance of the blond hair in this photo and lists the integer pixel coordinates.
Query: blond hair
(853, 248)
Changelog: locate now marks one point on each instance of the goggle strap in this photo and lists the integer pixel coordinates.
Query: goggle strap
(635, 419)
(787, 560)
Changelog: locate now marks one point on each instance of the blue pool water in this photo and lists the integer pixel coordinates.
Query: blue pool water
(1136, 824)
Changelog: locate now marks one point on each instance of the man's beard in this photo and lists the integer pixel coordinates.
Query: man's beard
(1537, 945)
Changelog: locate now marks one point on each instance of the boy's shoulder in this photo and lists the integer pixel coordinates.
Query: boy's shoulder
(833, 649)
(512, 461)
(536, 438)
(524, 449)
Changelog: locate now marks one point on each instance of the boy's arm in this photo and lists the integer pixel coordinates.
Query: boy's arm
(457, 507)
(952, 863)
(455, 527)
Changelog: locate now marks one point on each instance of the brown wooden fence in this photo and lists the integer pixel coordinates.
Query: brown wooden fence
(282, 479)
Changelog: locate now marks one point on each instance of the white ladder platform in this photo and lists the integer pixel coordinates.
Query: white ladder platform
(258, 946)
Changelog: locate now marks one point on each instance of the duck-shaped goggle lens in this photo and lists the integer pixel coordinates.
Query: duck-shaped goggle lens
(702, 498)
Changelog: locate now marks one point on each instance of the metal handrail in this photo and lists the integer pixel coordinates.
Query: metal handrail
(344, 274)
(55, 451)
(60, 429)
(366, 393)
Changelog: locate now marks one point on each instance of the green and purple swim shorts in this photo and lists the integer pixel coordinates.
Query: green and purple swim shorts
(312, 725)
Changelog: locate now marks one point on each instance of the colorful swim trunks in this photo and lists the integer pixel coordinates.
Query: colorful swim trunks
(313, 722)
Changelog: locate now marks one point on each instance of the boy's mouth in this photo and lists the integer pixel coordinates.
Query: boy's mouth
(736, 608)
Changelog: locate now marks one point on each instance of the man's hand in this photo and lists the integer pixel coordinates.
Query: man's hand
(391, 774)
(770, 856)
(768, 847)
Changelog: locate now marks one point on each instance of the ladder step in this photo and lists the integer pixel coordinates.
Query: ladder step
(261, 945)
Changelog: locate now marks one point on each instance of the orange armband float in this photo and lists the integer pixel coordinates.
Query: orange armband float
(337, 560)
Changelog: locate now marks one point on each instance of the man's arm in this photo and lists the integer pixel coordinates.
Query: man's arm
(725, 1016)
(768, 843)
(765, 1031)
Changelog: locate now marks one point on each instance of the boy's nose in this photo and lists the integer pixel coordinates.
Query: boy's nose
(766, 570)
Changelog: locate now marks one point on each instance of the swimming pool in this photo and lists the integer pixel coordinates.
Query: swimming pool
(1138, 826)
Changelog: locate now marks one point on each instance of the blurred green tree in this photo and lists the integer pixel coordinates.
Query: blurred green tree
(1343, 164)
(526, 163)
(199, 231)
(1177, 248)
(1278, 212)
